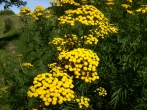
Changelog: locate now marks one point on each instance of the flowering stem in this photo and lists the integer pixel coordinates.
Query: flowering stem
(21, 65)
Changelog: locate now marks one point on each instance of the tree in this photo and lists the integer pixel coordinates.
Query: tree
(9, 3)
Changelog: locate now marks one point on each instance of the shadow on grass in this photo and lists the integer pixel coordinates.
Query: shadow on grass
(5, 40)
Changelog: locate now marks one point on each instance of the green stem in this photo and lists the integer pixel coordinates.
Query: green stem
(21, 65)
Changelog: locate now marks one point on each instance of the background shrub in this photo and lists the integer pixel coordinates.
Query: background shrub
(6, 12)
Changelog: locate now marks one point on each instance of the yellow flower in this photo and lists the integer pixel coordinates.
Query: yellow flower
(25, 10)
(83, 101)
(4, 89)
(85, 63)
(110, 3)
(46, 103)
(54, 102)
(36, 18)
(60, 101)
(19, 14)
(144, 11)
(125, 6)
(101, 91)
(49, 100)
(35, 95)
(38, 14)
(129, 1)
(47, 16)
(85, 68)
(130, 12)
(138, 10)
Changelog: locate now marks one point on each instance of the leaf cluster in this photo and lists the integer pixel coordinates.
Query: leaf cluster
(9, 3)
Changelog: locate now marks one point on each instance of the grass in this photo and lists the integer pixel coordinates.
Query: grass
(16, 23)
(8, 37)
(8, 45)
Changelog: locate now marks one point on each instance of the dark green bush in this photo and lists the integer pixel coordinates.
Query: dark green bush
(6, 12)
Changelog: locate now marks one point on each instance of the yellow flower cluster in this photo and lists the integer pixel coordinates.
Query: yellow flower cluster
(104, 29)
(130, 1)
(90, 39)
(67, 43)
(52, 65)
(102, 91)
(25, 11)
(84, 1)
(82, 62)
(125, 6)
(130, 12)
(71, 40)
(38, 8)
(52, 89)
(60, 42)
(62, 2)
(38, 11)
(89, 15)
(83, 101)
(57, 41)
(86, 14)
(4, 89)
(27, 64)
(47, 13)
(143, 9)
(110, 2)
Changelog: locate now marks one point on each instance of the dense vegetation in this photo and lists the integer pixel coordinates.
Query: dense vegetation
(79, 55)
(6, 12)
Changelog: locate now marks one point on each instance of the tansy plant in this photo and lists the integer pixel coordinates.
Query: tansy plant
(39, 30)
(81, 63)
(36, 14)
(82, 67)
(52, 88)
(75, 65)
(86, 24)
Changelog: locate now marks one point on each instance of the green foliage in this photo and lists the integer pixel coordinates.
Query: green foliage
(123, 59)
(9, 25)
(35, 48)
(6, 12)
(17, 82)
